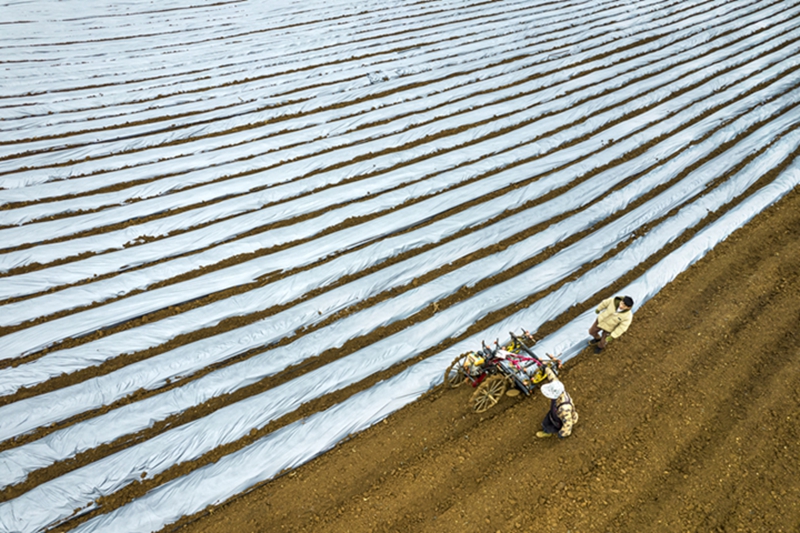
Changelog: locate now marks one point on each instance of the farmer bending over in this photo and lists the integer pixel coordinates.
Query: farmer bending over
(562, 414)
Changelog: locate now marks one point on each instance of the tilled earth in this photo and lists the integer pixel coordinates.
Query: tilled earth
(688, 423)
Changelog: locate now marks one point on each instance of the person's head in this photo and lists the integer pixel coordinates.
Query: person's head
(553, 389)
(626, 303)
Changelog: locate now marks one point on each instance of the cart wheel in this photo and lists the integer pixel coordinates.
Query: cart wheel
(454, 375)
(488, 394)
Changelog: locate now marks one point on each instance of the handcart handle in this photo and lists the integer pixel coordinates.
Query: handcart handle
(556, 360)
(522, 346)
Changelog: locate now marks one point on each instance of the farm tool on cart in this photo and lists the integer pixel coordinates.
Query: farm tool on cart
(508, 369)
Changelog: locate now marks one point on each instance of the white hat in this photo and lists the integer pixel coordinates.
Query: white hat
(553, 390)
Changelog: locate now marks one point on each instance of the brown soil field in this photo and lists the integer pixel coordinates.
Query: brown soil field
(688, 423)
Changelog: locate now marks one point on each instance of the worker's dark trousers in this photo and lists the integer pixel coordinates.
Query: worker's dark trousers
(598, 333)
(551, 422)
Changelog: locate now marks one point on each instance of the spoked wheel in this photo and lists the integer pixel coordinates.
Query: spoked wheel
(454, 375)
(488, 394)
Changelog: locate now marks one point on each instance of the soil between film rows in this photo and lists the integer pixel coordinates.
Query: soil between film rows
(688, 423)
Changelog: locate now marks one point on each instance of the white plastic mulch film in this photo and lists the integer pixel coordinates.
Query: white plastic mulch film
(198, 198)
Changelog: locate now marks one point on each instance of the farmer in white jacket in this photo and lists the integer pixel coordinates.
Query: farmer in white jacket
(614, 316)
